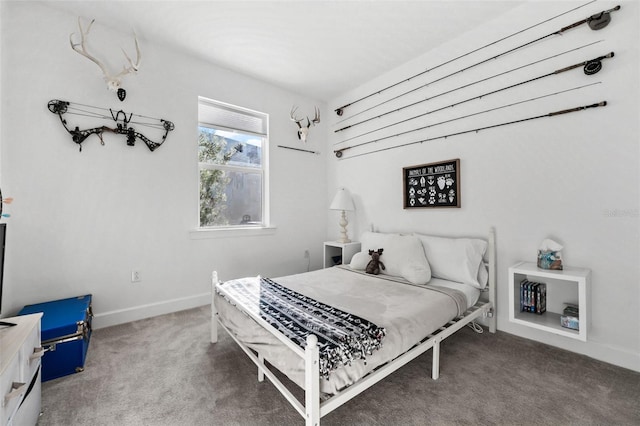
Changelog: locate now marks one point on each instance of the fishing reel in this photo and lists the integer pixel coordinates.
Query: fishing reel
(600, 20)
(593, 66)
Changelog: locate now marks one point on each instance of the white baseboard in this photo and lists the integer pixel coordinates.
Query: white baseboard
(622, 357)
(611, 354)
(121, 316)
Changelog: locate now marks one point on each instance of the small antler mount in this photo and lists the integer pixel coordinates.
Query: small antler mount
(303, 130)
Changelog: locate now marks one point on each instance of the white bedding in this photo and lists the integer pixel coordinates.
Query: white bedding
(408, 312)
(471, 293)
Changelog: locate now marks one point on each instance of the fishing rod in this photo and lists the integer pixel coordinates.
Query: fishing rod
(551, 114)
(339, 152)
(340, 110)
(595, 22)
(590, 67)
(456, 89)
(298, 149)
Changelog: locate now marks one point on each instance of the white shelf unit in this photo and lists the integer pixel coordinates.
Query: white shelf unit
(333, 249)
(570, 285)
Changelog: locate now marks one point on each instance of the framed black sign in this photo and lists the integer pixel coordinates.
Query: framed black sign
(432, 185)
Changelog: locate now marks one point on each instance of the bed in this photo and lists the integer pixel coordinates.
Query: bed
(431, 287)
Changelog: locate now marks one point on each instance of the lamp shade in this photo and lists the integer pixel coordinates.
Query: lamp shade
(342, 201)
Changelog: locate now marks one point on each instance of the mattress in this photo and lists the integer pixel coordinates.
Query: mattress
(409, 313)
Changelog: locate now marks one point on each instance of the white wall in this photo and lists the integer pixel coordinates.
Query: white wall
(572, 177)
(81, 221)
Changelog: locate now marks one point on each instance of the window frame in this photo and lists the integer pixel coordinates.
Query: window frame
(236, 229)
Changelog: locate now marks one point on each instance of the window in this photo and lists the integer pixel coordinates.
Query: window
(232, 147)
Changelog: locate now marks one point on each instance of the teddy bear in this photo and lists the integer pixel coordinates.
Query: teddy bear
(374, 265)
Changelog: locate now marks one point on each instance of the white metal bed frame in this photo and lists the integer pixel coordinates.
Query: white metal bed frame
(312, 409)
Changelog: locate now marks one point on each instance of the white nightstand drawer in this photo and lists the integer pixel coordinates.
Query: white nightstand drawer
(20, 371)
(30, 355)
(12, 390)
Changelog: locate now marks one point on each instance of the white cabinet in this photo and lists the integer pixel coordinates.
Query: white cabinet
(571, 285)
(336, 253)
(20, 360)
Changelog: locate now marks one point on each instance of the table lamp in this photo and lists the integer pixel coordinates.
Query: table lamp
(343, 201)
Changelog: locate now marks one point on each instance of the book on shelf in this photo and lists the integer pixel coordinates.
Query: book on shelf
(533, 297)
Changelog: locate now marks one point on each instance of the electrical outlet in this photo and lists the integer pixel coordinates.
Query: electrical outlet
(306, 254)
(136, 276)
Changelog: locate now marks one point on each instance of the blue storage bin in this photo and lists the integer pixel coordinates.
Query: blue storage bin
(66, 332)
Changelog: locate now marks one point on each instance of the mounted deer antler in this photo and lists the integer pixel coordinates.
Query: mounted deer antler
(303, 131)
(113, 81)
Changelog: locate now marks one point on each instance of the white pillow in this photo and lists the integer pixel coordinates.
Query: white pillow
(359, 261)
(455, 259)
(403, 256)
(483, 275)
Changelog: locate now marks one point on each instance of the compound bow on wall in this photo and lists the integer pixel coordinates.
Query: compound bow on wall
(121, 118)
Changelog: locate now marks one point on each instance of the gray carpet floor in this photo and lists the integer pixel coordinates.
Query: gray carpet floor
(164, 371)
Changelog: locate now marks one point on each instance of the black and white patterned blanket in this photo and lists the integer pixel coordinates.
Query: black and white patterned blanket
(342, 337)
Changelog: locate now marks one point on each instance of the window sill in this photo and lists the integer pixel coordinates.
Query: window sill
(205, 233)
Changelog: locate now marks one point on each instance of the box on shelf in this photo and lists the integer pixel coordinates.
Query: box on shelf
(65, 334)
(570, 317)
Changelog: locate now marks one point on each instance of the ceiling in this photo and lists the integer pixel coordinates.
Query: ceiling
(315, 48)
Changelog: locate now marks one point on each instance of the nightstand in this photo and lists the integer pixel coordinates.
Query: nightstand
(337, 253)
